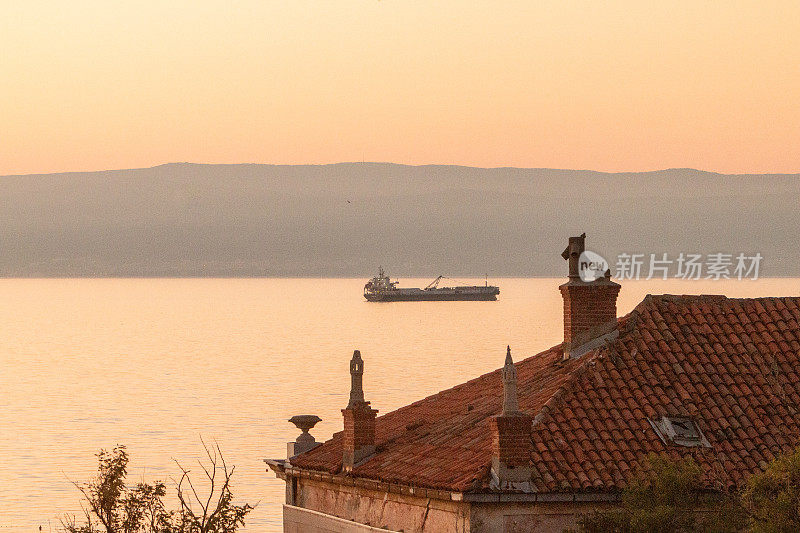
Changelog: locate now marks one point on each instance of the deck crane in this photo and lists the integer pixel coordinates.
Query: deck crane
(435, 283)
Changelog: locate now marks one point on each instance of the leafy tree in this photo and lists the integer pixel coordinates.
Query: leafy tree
(113, 507)
(772, 498)
(666, 497)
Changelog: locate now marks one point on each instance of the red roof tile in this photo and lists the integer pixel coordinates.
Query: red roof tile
(730, 364)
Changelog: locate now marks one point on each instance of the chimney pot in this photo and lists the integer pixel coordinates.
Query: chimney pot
(510, 403)
(356, 376)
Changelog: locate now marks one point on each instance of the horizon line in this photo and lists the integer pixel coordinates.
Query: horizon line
(191, 163)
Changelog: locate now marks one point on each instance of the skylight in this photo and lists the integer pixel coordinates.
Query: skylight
(679, 430)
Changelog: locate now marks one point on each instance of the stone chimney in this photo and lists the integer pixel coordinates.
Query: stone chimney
(511, 437)
(590, 307)
(359, 419)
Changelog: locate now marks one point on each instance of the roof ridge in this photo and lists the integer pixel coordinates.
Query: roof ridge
(626, 324)
(465, 384)
(586, 360)
(691, 298)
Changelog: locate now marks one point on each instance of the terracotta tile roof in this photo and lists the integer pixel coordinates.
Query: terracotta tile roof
(731, 365)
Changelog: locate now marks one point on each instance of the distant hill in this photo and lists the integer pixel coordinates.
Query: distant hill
(346, 219)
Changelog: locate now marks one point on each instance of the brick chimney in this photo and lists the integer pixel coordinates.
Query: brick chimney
(511, 437)
(590, 307)
(359, 419)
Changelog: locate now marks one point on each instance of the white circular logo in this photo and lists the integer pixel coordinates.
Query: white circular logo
(591, 266)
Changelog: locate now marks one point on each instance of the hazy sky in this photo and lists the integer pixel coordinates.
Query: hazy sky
(612, 85)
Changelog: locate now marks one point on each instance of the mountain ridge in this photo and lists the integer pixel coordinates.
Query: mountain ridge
(344, 219)
(196, 164)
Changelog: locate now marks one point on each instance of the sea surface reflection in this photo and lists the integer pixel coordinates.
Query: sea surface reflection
(157, 363)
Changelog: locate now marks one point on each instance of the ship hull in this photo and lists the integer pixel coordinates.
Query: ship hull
(436, 295)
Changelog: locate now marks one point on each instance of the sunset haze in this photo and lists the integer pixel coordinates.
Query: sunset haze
(612, 86)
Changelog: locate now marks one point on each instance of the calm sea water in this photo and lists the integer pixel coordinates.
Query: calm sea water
(157, 363)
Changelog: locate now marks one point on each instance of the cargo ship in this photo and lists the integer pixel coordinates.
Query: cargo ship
(382, 289)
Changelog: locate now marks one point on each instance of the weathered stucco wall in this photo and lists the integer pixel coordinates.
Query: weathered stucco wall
(527, 517)
(344, 509)
(396, 512)
(297, 520)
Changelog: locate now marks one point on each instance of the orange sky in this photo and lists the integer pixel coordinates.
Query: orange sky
(92, 84)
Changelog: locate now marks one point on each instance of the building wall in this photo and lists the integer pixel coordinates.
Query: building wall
(385, 510)
(551, 517)
(299, 520)
(322, 507)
